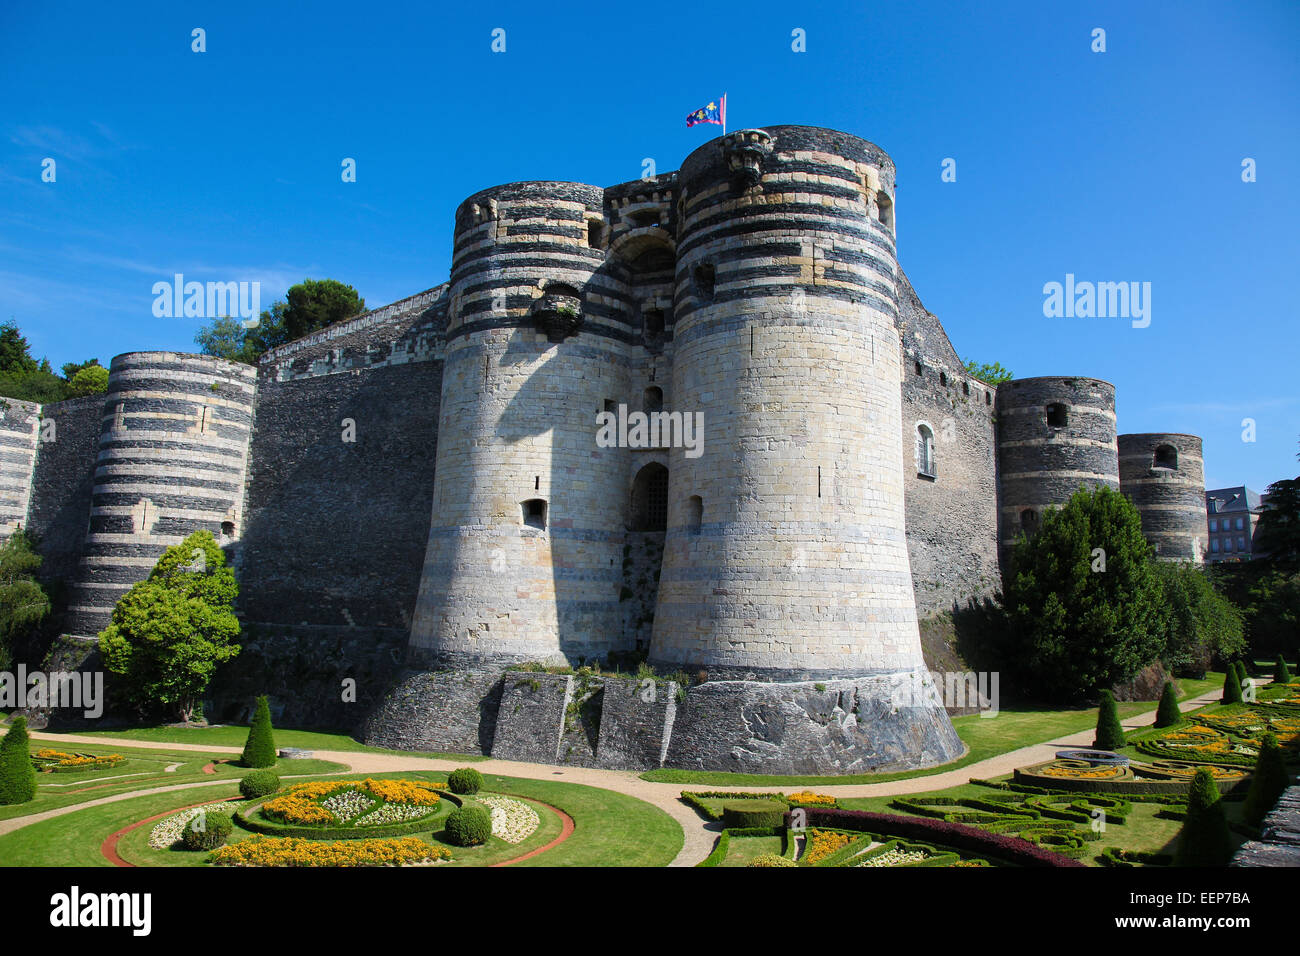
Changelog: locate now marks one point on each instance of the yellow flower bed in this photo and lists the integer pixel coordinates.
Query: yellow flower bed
(808, 798)
(292, 851)
(76, 760)
(822, 843)
(300, 804)
(1093, 773)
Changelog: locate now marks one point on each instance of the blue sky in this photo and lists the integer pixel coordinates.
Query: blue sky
(1115, 166)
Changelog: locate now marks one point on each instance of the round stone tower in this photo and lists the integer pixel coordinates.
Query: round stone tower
(173, 453)
(525, 546)
(1164, 476)
(1055, 435)
(786, 559)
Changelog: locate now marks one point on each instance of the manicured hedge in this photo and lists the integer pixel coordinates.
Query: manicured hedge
(206, 831)
(955, 835)
(259, 783)
(696, 798)
(753, 813)
(468, 826)
(465, 781)
(1115, 856)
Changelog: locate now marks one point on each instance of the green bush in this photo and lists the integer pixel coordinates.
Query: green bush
(1204, 839)
(17, 775)
(259, 749)
(753, 813)
(1168, 714)
(1281, 673)
(1268, 781)
(1231, 686)
(1110, 735)
(259, 783)
(206, 831)
(468, 826)
(466, 781)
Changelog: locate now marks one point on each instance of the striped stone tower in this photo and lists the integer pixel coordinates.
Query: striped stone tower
(785, 575)
(525, 545)
(1055, 435)
(1163, 474)
(173, 453)
(20, 424)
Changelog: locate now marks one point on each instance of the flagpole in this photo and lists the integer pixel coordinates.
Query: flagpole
(724, 114)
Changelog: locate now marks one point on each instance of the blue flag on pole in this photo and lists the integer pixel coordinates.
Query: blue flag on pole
(715, 113)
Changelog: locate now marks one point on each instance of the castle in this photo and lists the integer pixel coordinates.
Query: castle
(415, 500)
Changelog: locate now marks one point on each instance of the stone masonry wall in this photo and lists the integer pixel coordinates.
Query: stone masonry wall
(952, 517)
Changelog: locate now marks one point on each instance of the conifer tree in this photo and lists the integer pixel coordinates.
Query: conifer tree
(1267, 783)
(259, 749)
(1110, 734)
(1204, 839)
(17, 775)
(1168, 714)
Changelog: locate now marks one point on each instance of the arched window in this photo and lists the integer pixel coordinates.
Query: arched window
(650, 498)
(1057, 415)
(1166, 457)
(694, 514)
(943, 379)
(925, 451)
(535, 513)
(653, 400)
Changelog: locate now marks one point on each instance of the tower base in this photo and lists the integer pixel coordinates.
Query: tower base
(842, 726)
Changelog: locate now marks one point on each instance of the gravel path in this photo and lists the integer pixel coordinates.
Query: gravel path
(699, 835)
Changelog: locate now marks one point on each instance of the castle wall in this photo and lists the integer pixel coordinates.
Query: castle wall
(952, 515)
(19, 435)
(173, 450)
(330, 556)
(1044, 459)
(62, 483)
(785, 340)
(1170, 500)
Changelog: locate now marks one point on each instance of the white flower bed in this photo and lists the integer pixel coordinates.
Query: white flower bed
(348, 804)
(395, 813)
(896, 857)
(512, 820)
(168, 832)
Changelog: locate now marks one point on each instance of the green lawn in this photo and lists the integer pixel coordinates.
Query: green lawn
(741, 850)
(143, 770)
(984, 737)
(610, 829)
(230, 735)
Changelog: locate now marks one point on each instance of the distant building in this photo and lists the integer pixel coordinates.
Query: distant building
(1232, 514)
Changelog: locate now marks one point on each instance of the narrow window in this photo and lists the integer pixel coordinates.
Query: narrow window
(988, 398)
(1057, 416)
(1166, 457)
(694, 514)
(885, 205)
(228, 529)
(653, 400)
(705, 278)
(535, 513)
(595, 234)
(1028, 521)
(917, 366)
(943, 379)
(965, 388)
(611, 405)
(925, 451)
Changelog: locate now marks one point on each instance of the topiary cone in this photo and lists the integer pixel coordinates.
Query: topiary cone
(1268, 781)
(1281, 673)
(1231, 686)
(17, 775)
(1110, 734)
(1204, 839)
(259, 750)
(1168, 714)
